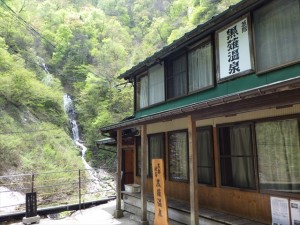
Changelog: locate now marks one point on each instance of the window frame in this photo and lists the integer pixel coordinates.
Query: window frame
(194, 47)
(280, 66)
(164, 85)
(213, 178)
(186, 51)
(162, 134)
(136, 92)
(187, 156)
(274, 119)
(168, 63)
(254, 159)
(254, 121)
(169, 73)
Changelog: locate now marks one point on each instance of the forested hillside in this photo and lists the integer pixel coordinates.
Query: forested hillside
(79, 47)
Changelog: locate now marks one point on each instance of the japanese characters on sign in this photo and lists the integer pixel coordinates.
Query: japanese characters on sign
(280, 211)
(234, 49)
(160, 201)
(295, 211)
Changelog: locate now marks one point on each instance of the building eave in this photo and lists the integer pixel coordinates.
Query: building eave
(213, 107)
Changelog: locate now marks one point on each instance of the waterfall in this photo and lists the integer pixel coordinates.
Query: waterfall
(96, 175)
(75, 130)
(69, 109)
(47, 80)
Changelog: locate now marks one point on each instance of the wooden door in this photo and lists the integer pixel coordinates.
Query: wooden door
(127, 166)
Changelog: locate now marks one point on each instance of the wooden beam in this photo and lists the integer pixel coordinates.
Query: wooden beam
(267, 101)
(193, 171)
(144, 146)
(118, 212)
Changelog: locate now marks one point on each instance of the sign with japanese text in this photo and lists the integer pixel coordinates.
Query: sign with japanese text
(234, 49)
(160, 200)
(295, 211)
(280, 211)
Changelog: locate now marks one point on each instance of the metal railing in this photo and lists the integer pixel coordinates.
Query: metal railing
(55, 188)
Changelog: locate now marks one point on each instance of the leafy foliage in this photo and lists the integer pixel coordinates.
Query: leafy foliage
(86, 44)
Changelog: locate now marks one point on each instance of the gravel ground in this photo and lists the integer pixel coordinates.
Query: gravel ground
(99, 215)
(9, 200)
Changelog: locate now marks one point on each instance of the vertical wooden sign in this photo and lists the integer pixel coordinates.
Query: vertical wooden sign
(160, 200)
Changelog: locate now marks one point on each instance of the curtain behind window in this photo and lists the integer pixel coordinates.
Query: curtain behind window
(144, 93)
(241, 152)
(156, 84)
(177, 79)
(205, 156)
(200, 67)
(236, 156)
(178, 156)
(277, 32)
(278, 149)
(156, 149)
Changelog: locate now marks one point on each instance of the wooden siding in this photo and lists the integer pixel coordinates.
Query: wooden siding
(250, 205)
(245, 203)
(179, 212)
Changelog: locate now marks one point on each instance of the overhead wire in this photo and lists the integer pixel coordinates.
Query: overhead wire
(32, 29)
(35, 33)
(28, 25)
(25, 132)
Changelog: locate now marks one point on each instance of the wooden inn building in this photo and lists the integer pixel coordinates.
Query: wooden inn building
(221, 107)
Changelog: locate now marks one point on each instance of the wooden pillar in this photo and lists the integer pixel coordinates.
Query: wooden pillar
(118, 212)
(144, 146)
(193, 172)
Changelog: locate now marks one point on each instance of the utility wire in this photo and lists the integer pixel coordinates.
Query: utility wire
(34, 30)
(25, 132)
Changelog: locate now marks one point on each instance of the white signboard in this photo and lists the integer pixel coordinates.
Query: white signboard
(234, 49)
(280, 211)
(295, 212)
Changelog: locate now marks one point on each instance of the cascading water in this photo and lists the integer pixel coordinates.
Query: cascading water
(47, 80)
(69, 109)
(96, 175)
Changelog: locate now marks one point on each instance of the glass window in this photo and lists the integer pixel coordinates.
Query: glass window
(177, 77)
(278, 150)
(156, 149)
(205, 156)
(236, 156)
(200, 67)
(277, 31)
(178, 156)
(150, 88)
(156, 84)
(142, 92)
